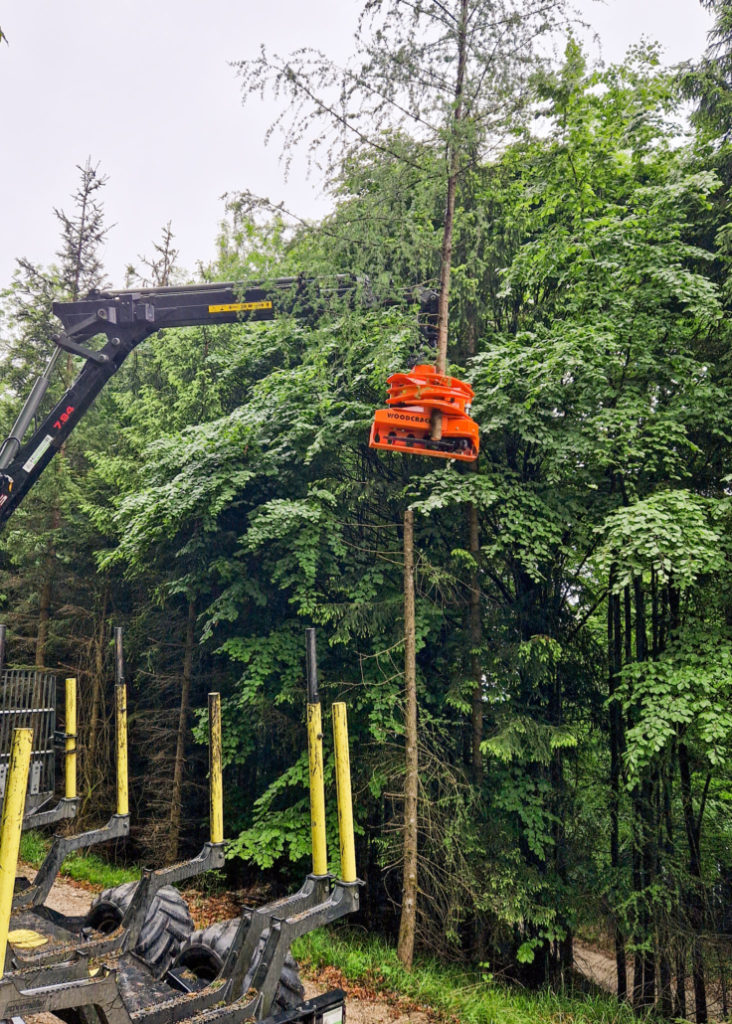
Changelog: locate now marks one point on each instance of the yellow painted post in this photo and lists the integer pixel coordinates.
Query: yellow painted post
(123, 799)
(343, 791)
(11, 826)
(317, 790)
(70, 746)
(216, 789)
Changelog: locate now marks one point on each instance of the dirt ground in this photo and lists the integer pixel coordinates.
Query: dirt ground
(597, 966)
(369, 1011)
(66, 897)
(70, 898)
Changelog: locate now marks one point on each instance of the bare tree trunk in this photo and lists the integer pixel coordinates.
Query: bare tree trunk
(648, 861)
(644, 979)
(615, 659)
(680, 1006)
(665, 991)
(693, 822)
(96, 712)
(476, 639)
(407, 924)
(43, 615)
(447, 232)
(176, 800)
(666, 847)
(44, 610)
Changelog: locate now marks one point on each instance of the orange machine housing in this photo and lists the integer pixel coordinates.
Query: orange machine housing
(407, 424)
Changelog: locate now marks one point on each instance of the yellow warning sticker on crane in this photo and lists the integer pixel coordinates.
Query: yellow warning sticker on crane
(239, 307)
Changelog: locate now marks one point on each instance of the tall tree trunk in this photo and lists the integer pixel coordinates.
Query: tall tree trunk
(692, 825)
(616, 744)
(92, 769)
(628, 634)
(452, 180)
(665, 992)
(176, 800)
(44, 610)
(560, 956)
(475, 632)
(453, 170)
(644, 981)
(648, 864)
(666, 850)
(476, 639)
(637, 933)
(680, 1007)
(475, 622)
(407, 924)
(674, 621)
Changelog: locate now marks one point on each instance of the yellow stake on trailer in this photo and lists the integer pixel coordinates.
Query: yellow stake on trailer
(11, 826)
(70, 746)
(123, 803)
(216, 787)
(315, 760)
(317, 790)
(343, 793)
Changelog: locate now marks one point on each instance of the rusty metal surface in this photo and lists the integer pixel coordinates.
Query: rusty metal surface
(137, 987)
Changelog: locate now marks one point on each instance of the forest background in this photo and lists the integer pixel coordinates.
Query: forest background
(573, 619)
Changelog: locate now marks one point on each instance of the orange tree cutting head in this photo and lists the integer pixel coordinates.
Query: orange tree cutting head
(424, 384)
(413, 399)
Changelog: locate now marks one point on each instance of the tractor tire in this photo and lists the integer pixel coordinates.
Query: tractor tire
(205, 952)
(167, 926)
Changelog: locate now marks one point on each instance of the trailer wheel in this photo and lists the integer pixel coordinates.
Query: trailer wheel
(205, 952)
(167, 926)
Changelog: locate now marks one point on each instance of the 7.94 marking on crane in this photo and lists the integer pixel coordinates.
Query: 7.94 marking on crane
(63, 418)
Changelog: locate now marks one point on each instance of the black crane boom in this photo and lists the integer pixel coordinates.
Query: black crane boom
(125, 318)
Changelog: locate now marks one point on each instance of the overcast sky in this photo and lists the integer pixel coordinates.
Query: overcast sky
(145, 88)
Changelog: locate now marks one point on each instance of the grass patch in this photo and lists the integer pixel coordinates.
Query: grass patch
(451, 993)
(82, 865)
(33, 848)
(91, 868)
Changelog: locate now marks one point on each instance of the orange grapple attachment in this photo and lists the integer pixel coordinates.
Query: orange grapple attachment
(412, 398)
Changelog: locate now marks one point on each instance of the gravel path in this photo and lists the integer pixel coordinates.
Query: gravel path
(596, 965)
(371, 1011)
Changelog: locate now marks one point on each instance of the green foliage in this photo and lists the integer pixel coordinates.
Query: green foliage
(524, 739)
(687, 692)
(449, 992)
(672, 534)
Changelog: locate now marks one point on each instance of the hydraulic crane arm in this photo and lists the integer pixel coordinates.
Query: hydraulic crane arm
(125, 318)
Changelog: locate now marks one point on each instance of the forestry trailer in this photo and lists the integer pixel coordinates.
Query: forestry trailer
(134, 957)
